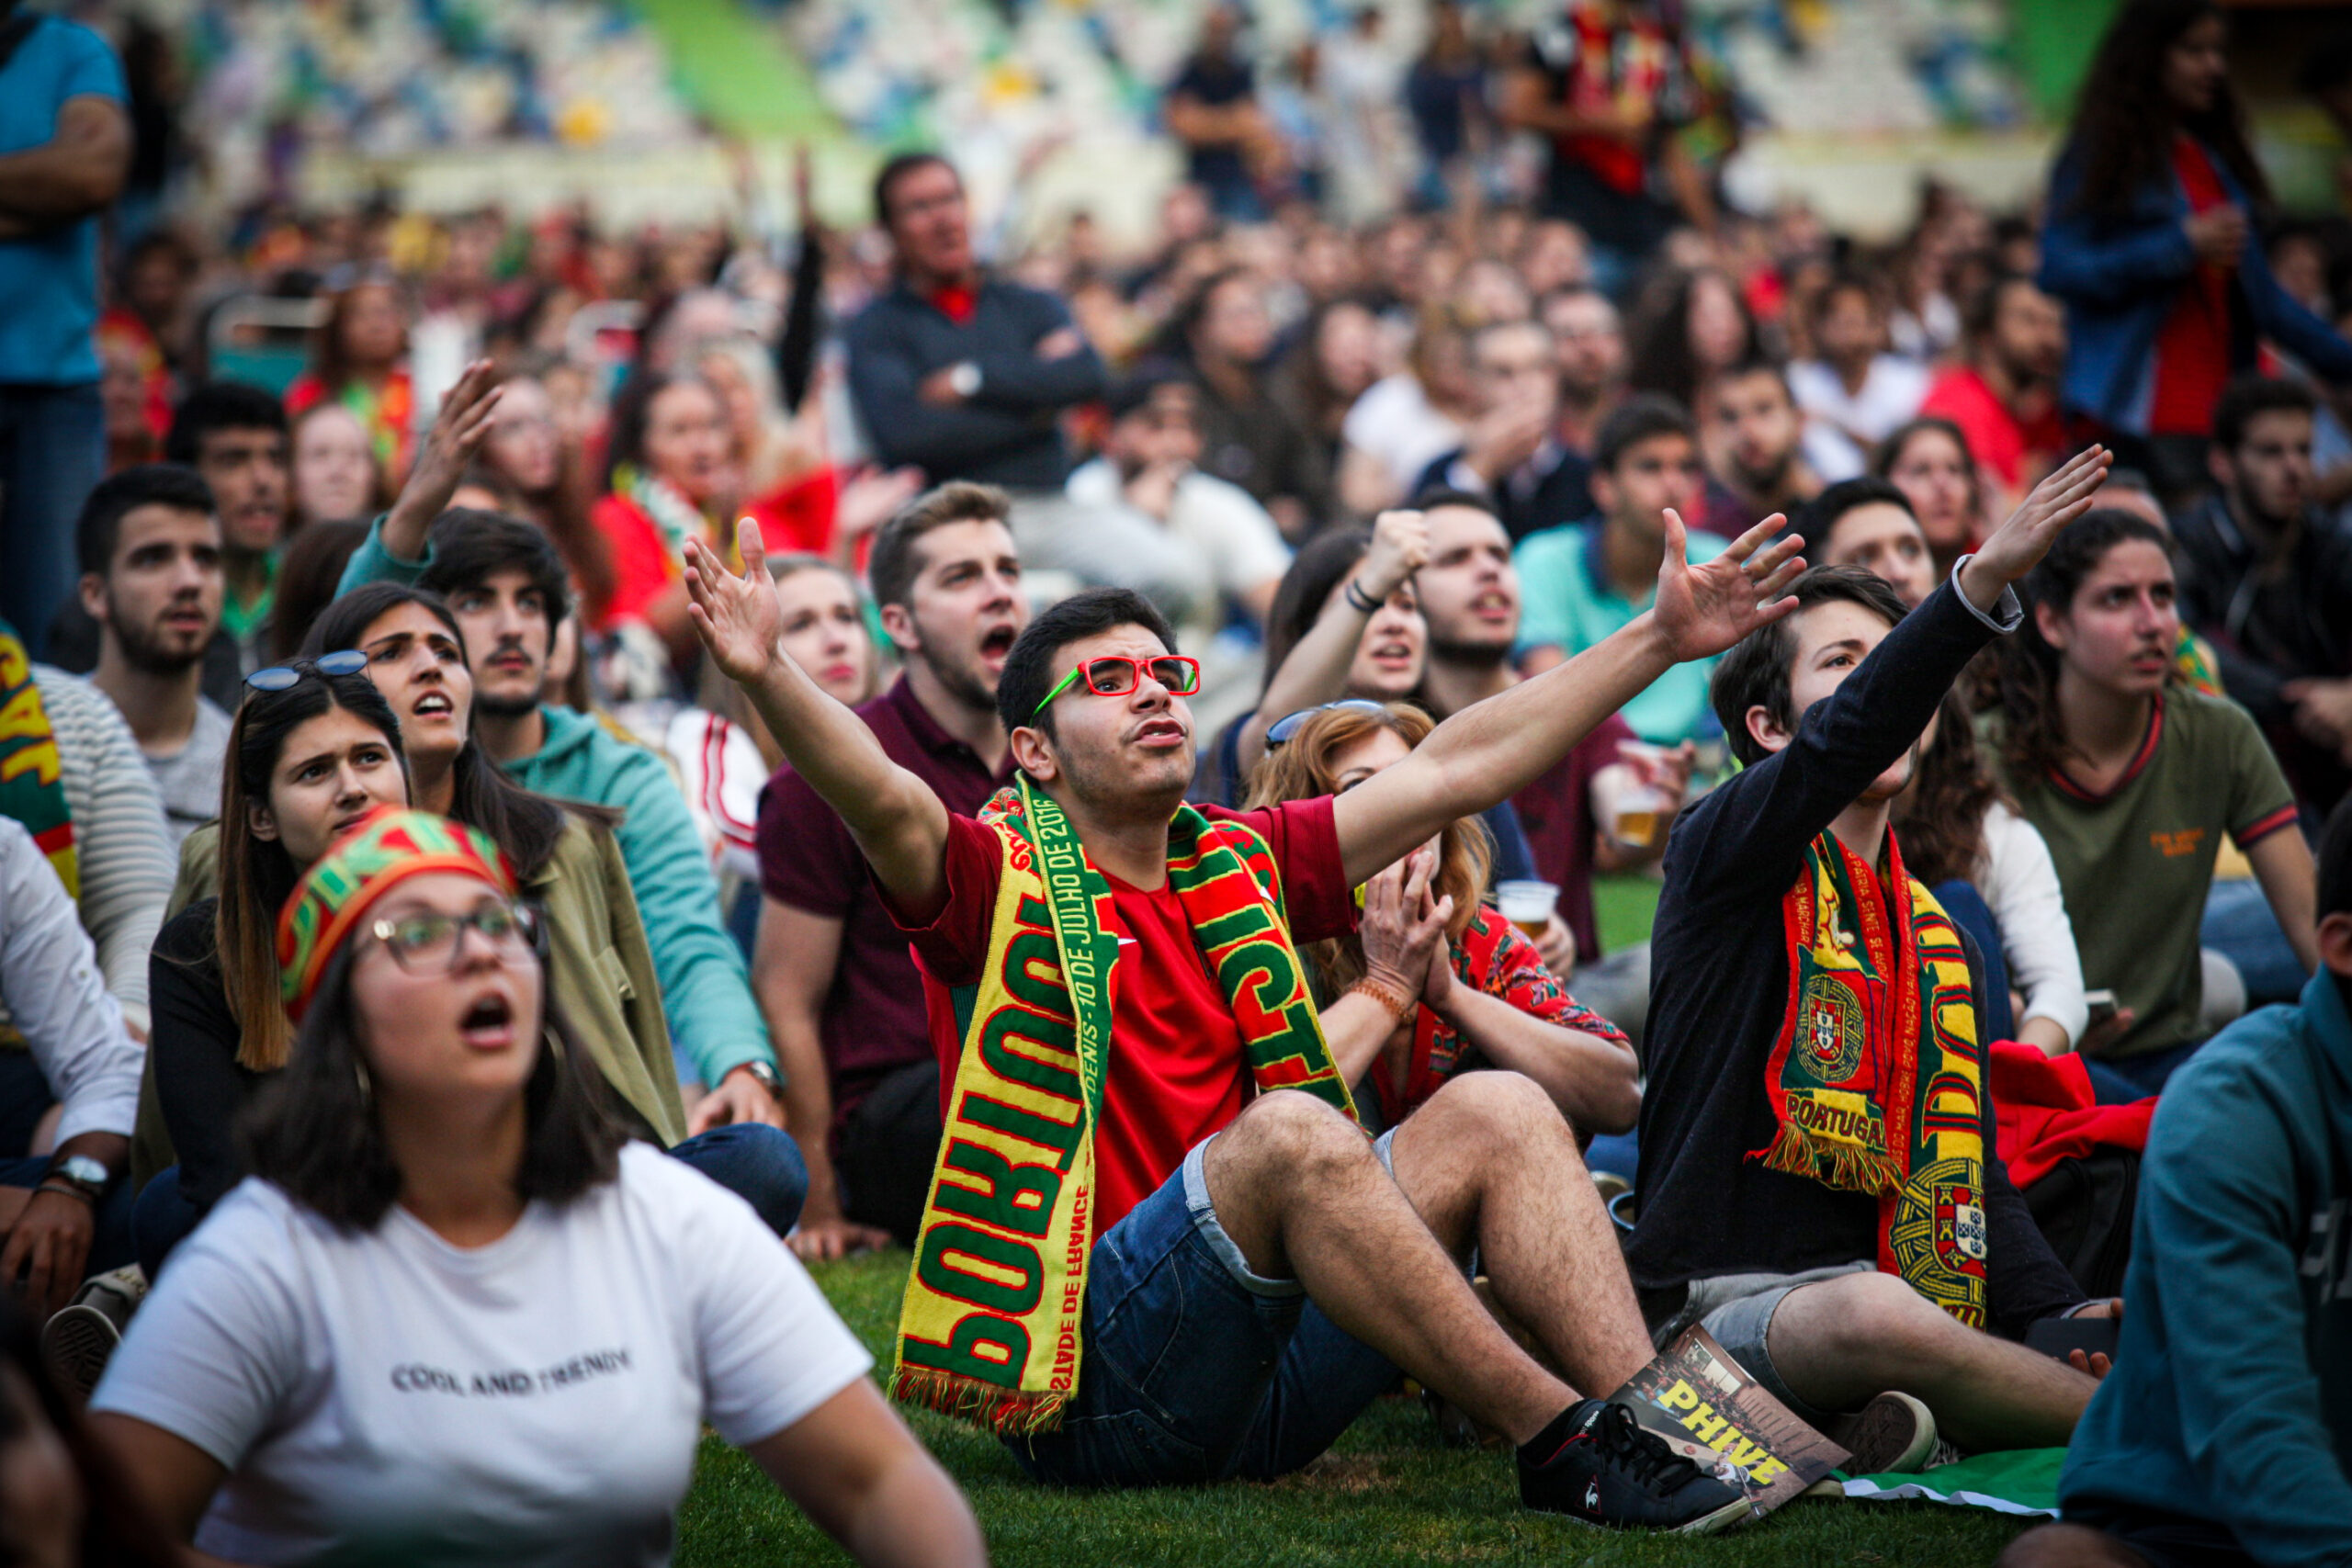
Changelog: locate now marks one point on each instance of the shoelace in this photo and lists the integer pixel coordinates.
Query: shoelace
(1646, 1456)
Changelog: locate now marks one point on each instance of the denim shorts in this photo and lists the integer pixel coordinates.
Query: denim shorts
(1195, 1369)
(1736, 1311)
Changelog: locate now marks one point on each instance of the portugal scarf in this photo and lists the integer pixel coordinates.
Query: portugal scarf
(31, 775)
(996, 1302)
(1876, 1077)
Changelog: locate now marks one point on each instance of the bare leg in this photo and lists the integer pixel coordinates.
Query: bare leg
(1842, 1341)
(2069, 1546)
(1304, 1197)
(1489, 1161)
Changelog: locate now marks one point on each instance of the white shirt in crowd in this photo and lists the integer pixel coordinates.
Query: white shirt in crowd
(2020, 885)
(1395, 421)
(1231, 545)
(386, 1395)
(57, 999)
(720, 772)
(1890, 396)
(189, 778)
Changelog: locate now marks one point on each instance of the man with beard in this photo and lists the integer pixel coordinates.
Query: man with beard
(1114, 984)
(842, 996)
(151, 579)
(1514, 451)
(1820, 1190)
(1757, 448)
(2004, 398)
(2267, 576)
(1590, 339)
(1470, 597)
(508, 589)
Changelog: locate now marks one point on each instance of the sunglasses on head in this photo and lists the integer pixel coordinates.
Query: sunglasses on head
(1116, 676)
(278, 677)
(1279, 732)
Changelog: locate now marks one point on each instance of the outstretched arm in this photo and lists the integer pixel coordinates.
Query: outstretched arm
(898, 823)
(1492, 749)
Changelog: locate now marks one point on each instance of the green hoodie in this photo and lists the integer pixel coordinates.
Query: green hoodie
(705, 991)
(2230, 1400)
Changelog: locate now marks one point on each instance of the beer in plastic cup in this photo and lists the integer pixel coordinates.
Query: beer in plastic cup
(1528, 904)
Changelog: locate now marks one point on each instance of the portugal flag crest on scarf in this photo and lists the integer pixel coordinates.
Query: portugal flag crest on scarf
(992, 1326)
(1877, 1078)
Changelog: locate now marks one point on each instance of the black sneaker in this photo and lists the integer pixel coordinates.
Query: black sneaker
(1892, 1435)
(1612, 1472)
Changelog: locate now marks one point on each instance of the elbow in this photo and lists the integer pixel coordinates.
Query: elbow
(1617, 1107)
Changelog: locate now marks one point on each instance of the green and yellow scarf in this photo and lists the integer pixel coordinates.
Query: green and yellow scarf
(32, 788)
(1877, 1078)
(991, 1329)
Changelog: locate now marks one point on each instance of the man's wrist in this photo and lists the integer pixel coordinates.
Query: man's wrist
(759, 1072)
(65, 1190)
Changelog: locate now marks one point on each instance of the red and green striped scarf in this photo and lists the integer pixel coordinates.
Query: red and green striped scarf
(995, 1303)
(32, 773)
(1877, 1077)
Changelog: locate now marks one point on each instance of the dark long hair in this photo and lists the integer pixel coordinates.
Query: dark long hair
(117, 1530)
(2035, 740)
(525, 824)
(330, 361)
(307, 575)
(314, 1133)
(2124, 120)
(257, 874)
(1658, 337)
(1940, 821)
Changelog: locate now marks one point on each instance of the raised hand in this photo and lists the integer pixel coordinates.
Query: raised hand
(1400, 546)
(1701, 610)
(457, 432)
(737, 618)
(2017, 546)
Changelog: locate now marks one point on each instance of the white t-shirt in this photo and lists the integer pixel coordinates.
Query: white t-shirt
(2020, 885)
(1891, 394)
(390, 1397)
(1395, 421)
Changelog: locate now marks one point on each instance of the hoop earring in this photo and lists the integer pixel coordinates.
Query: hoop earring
(366, 1085)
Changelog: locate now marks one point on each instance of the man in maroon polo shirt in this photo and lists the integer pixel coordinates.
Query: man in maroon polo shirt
(842, 998)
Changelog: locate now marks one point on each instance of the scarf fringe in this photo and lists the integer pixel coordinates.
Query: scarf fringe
(1001, 1410)
(1795, 1151)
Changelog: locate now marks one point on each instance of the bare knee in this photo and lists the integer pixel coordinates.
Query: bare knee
(1877, 1319)
(1292, 1134)
(2069, 1546)
(1497, 1110)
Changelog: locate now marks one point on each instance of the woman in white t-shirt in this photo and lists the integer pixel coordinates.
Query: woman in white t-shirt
(455, 1317)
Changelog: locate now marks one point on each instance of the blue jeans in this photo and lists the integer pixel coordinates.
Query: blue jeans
(758, 1163)
(2239, 925)
(1196, 1369)
(161, 1219)
(52, 454)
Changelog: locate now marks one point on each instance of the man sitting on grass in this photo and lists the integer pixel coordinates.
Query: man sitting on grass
(1818, 1183)
(1139, 1263)
(2225, 1437)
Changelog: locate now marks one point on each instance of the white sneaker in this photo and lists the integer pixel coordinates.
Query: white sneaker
(1892, 1435)
(77, 1341)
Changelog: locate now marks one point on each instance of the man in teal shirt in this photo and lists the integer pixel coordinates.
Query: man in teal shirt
(1583, 580)
(2223, 1436)
(506, 586)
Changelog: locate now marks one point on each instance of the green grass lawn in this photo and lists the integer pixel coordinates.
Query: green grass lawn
(1391, 1492)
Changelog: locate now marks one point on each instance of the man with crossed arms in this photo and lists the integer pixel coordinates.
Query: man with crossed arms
(1256, 1270)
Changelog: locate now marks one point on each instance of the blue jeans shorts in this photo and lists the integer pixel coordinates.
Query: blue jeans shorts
(1194, 1367)
(1736, 1311)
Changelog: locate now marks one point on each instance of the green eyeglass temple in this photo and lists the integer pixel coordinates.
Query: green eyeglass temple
(1067, 682)
(1191, 668)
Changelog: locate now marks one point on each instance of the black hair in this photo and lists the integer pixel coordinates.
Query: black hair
(99, 527)
(1465, 500)
(1029, 667)
(220, 405)
(898, 168)
(257, 874)
(525, 824)
(2247, 396)
(309, 574)
(1321, 565)
(892, 566)
(2336, 862)
(1137, 388)
(1659, 358)
(1818, 518)
(2035, 740)
(1842, 283)
(1983, 307)
(314, 1133)
(468, 546)
(1755, 364)
(1755, 674)
(632, 413)
(1642, 417)
(117, 1529)
(2124, 122)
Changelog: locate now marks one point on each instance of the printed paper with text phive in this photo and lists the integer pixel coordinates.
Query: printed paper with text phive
(1714, 1415)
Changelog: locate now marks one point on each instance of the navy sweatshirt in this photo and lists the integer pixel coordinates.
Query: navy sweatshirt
(1007, 433)
(1720, 991)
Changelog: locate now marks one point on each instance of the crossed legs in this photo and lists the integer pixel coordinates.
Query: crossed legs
(1487, 1162)
(1840, 1342)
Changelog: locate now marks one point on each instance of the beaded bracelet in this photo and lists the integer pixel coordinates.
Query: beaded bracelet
(1396, 1002)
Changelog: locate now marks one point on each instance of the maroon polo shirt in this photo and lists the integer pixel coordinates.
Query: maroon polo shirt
(1557, 813)
(873, 1019)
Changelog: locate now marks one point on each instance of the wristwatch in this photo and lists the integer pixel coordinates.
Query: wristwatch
(964, 379)
(766, 1077)
(85, 1176)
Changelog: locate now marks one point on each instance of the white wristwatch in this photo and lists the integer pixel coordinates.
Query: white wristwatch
(964, 379)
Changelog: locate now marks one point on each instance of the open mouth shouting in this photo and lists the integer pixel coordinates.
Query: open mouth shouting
(1494, 606)
(996, 642)
(434, 705)
(489, 1024)
(1392, 655)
